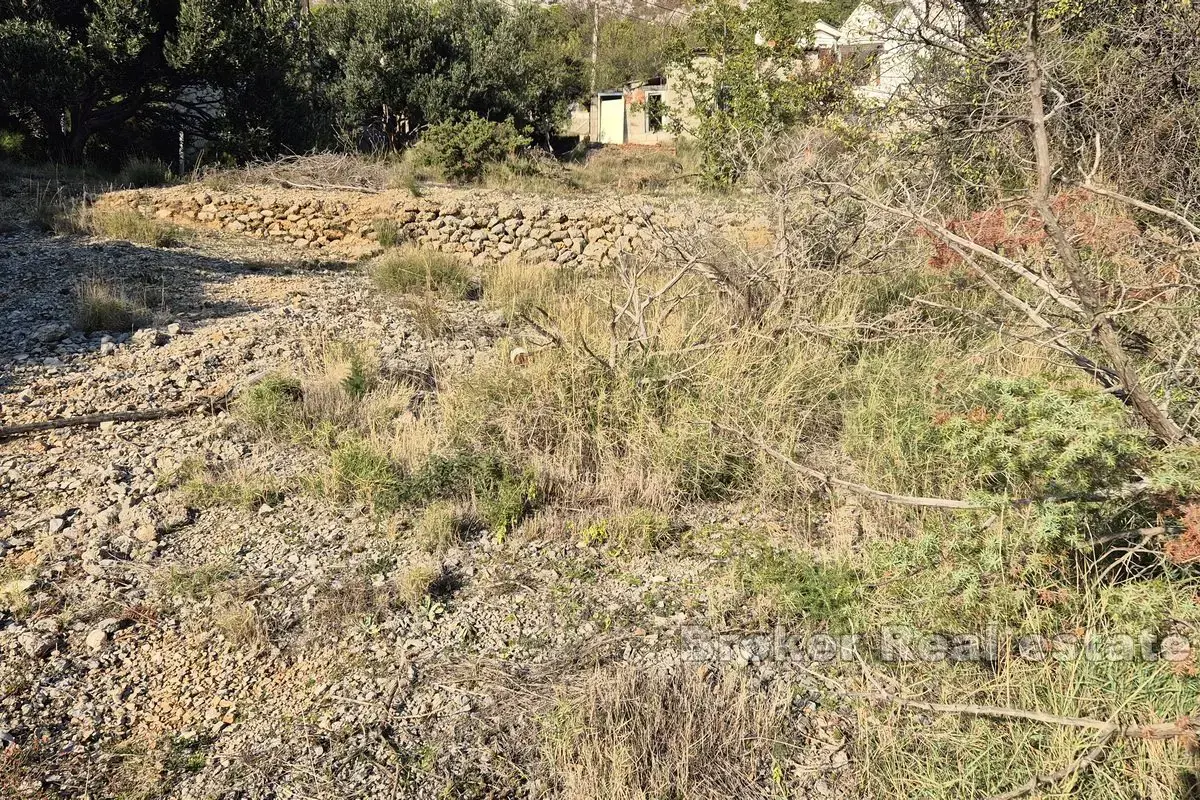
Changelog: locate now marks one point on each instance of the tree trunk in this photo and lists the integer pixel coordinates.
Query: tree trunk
(1085, 289)
(75, 141)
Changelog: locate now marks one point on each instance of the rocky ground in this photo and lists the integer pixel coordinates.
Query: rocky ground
(151, 648)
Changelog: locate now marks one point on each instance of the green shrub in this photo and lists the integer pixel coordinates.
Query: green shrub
(503, 495)
(141, 172)
(461, 149)
(272, 405)
(1028, 437)
(411, 269)
(12, 144)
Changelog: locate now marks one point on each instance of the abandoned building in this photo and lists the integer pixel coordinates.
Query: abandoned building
(879, 43)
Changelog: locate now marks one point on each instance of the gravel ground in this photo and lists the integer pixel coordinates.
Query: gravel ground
(165, 650)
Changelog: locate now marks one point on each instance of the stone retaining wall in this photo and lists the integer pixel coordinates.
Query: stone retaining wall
(485, 229)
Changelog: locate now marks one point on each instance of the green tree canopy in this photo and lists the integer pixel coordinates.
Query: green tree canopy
(72, 69)
(743, 70)
(392, 65)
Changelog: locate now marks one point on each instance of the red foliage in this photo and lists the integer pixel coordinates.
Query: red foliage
(1185, 548)
(1011, 234)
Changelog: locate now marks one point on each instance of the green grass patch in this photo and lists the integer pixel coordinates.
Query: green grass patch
(358, 471)
(794, 588)
(272, 405)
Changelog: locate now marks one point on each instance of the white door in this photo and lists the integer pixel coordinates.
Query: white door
(612, 119)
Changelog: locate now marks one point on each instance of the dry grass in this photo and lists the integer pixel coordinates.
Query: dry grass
(411, 269)
(104, 305)
(341, 169)
(417, 582)
(138, 173)
(237, 486)
(909, 755)
(241, 623)
(642, 169)
(628, 734)
(518, 287)
(14, 593)
(127, 224)
(431, 321)
(439, 528)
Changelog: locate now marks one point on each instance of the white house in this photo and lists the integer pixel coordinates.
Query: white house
(884, 40)
(888, 40)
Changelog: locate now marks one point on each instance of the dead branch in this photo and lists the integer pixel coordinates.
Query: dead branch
(1082, 763)
(856, 488)
(1184, 726)
(1081, 282)
(286, 184)
(213, 404)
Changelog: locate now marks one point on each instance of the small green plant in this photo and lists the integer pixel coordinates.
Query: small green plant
(102, 305)
(1026, 436)
(12, 144)
(141, 172)
(510, 501)
(412, 269)
(357, 381)
(388, 231)
(358, 471)
(461, 149)
(272, 405)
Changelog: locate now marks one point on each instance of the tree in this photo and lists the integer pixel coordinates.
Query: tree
(72, 69)
(394, 66)
(1023, 130)
(745, 77)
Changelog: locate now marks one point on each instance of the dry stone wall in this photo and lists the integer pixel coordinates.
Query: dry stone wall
(479, 225)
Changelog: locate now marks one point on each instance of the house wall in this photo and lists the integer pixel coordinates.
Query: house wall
(584, 120)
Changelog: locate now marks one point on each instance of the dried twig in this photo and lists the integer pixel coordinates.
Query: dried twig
(1184, 726)
(212, 403)
(856, 488)
(286, 184)
(1084, 762)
